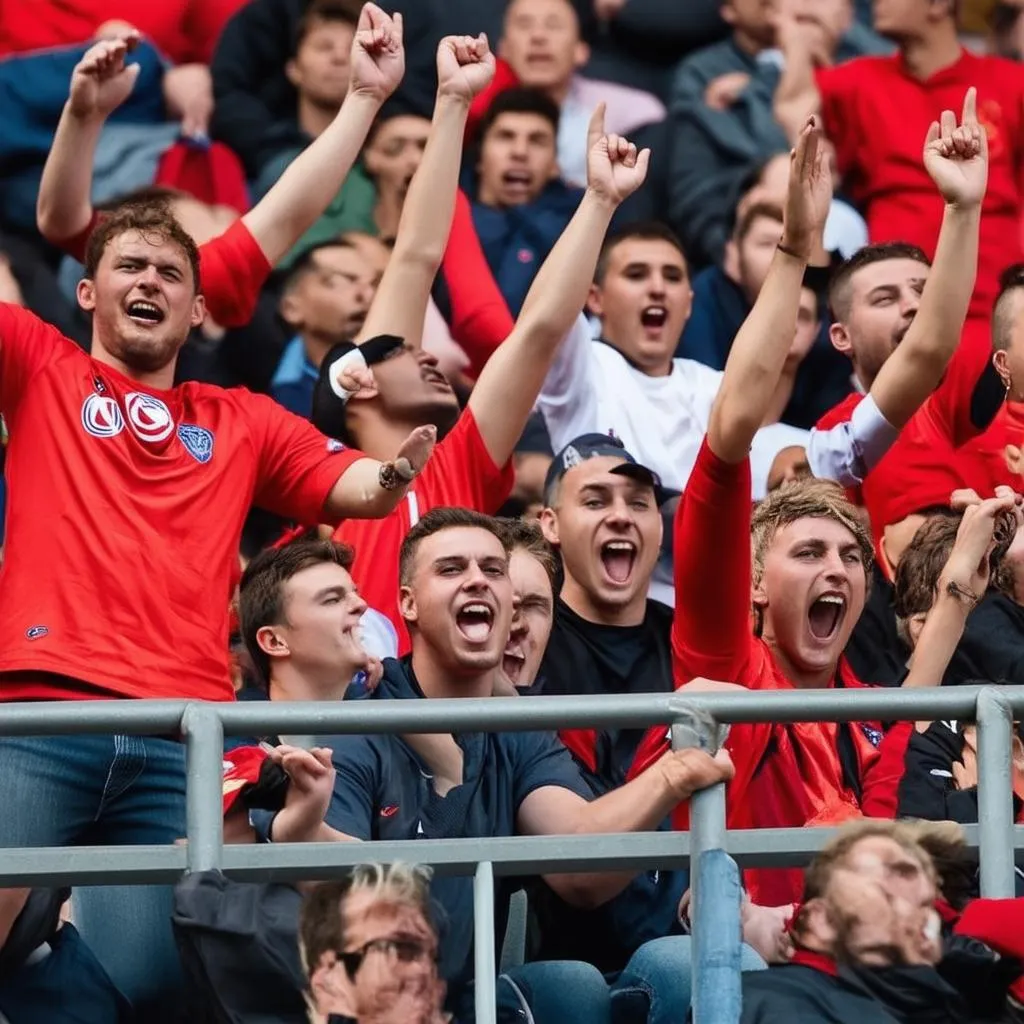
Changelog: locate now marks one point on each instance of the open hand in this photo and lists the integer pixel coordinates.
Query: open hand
(101, 81)
(465, 66)
(809, 196)
(956, 157)
(310, 788)
(614, 168)
(378, 57)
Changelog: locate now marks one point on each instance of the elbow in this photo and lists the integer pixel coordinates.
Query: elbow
(422, 256)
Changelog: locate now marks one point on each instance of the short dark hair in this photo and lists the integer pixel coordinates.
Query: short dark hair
(154, 220)
(436, 520)
(520, 534)
(759, 211)
(839, 285)
(1011, 281)
(144, 196)
(320, 12)
(261, 591)
(305, 261)
(520, 100)
(642, 230)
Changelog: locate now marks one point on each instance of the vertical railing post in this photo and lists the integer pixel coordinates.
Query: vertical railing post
(715, 892)
(995, 794)
(204, 801)
(485, 968)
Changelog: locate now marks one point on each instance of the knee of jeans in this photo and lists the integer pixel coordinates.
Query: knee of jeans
(660, 961)
(577, 989)
(750, 959)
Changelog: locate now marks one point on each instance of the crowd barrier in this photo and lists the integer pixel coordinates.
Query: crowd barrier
(204, 725)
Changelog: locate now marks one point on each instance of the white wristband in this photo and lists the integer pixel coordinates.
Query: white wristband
(352, 358)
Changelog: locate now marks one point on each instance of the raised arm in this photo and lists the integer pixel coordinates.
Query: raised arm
(957, 160)
(759, 351)
(796, 96)
(465, 66)
(100, 83)
(511, 381)
(314, 177)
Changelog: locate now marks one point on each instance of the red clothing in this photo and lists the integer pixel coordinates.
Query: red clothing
(125, 509)
(183, 30)
(878, 115)
(460, 472)
(939, 449)
(232, 270)
(786, 775)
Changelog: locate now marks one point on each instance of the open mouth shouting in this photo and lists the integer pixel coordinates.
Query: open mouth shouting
(618, 558)
(475, 621)
(825, 616)
(517, 183)
(143, 312)
(653, 318)
(513, 662)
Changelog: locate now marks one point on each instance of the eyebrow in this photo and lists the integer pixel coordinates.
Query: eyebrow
(338, 589)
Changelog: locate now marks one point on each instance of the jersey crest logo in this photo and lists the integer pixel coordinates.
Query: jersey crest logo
(148, 417)
(101, 417)
(36, 632)
(334, 445)
(874, 736)
(198, 441)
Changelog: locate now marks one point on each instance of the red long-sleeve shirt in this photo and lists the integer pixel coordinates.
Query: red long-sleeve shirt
(786, 775)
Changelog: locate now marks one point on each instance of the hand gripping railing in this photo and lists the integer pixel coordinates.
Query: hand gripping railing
(204, 726)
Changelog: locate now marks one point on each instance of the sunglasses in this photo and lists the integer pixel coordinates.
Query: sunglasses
(406, 951)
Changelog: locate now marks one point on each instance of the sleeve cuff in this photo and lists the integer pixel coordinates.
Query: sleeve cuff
(850, 450)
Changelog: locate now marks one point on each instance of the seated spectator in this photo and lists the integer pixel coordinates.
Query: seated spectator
(457, 600)
(895, 98)
(520, 206)
(721, 116)
(629, 383)
(541, 48)
(472, 468)
(370, 947)
(325, 299)
(814, 378)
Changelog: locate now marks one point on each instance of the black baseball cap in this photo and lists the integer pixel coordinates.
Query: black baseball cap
(596, 446)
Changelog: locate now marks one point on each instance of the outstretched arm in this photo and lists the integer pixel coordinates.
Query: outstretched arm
(759, 352)
(511, 381)
(957, 160)
(465, 66)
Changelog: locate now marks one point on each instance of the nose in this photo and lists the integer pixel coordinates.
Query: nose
(835, 567)
(909, 304)
(475, 578)
(619, 514)
(425, 358)
(519, 149)
(357, 605)
(657, 286)
(149, 279)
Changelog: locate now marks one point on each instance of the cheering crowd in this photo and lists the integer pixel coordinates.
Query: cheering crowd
(616, 349)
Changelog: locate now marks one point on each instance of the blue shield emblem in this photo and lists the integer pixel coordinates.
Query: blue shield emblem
(198, 441)
(874, 736)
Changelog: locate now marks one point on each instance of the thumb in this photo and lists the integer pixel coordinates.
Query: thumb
(131, 72)
(643, 163)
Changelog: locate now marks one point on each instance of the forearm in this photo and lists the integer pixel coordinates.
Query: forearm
(311, 180)
(64, 206)
(358, 494)
(917, 365)
(401, 300)
(796, 96)
(938, 642)
(756, 360)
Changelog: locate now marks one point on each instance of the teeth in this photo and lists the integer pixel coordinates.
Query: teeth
(620, 545)
(477, 609)
(832, 599)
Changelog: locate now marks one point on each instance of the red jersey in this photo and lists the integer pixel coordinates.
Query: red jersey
(786, 775)
(125, 509)
(183, 30)
(876, 98)
(232, 270)
(460, 472)
(941, 448)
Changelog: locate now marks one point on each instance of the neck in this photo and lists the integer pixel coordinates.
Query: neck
(374, 434)
(781, 396)
(801, 678)
(287, 683)
(929, 53)
(661, 369)
(580, 602)
(314, 119)
(747, 43)
(158, 380)
(559, 92)
(438, 681)
(316, 348)
(387, 213)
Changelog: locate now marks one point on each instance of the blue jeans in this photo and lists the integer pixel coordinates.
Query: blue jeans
(556, 992)
(106, 790)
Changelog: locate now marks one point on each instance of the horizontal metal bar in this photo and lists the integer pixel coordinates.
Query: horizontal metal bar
(139, 717)
(518, 855)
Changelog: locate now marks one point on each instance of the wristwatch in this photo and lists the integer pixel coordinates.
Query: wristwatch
(394, 475)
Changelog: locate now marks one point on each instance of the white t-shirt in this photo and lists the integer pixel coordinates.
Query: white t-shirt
(661, 420)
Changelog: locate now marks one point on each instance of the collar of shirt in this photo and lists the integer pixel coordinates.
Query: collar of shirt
(294, 365)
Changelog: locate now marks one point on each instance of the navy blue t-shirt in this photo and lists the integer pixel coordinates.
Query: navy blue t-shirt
(383, 791)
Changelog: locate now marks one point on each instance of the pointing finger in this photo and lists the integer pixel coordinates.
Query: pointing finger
(970, 115)
(596, 127)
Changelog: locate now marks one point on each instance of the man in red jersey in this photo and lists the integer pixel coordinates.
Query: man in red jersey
(805, 575)
(126, 503)
(471, 467)
(876, 108)
(235, 265)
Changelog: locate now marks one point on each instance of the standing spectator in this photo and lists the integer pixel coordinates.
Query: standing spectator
(370, 946)
(721, 115)
(542, 48)
(457, 600)
(630, 384)
(520, 205)
(894, 98)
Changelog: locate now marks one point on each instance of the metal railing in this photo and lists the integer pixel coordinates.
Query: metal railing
(204, 726)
